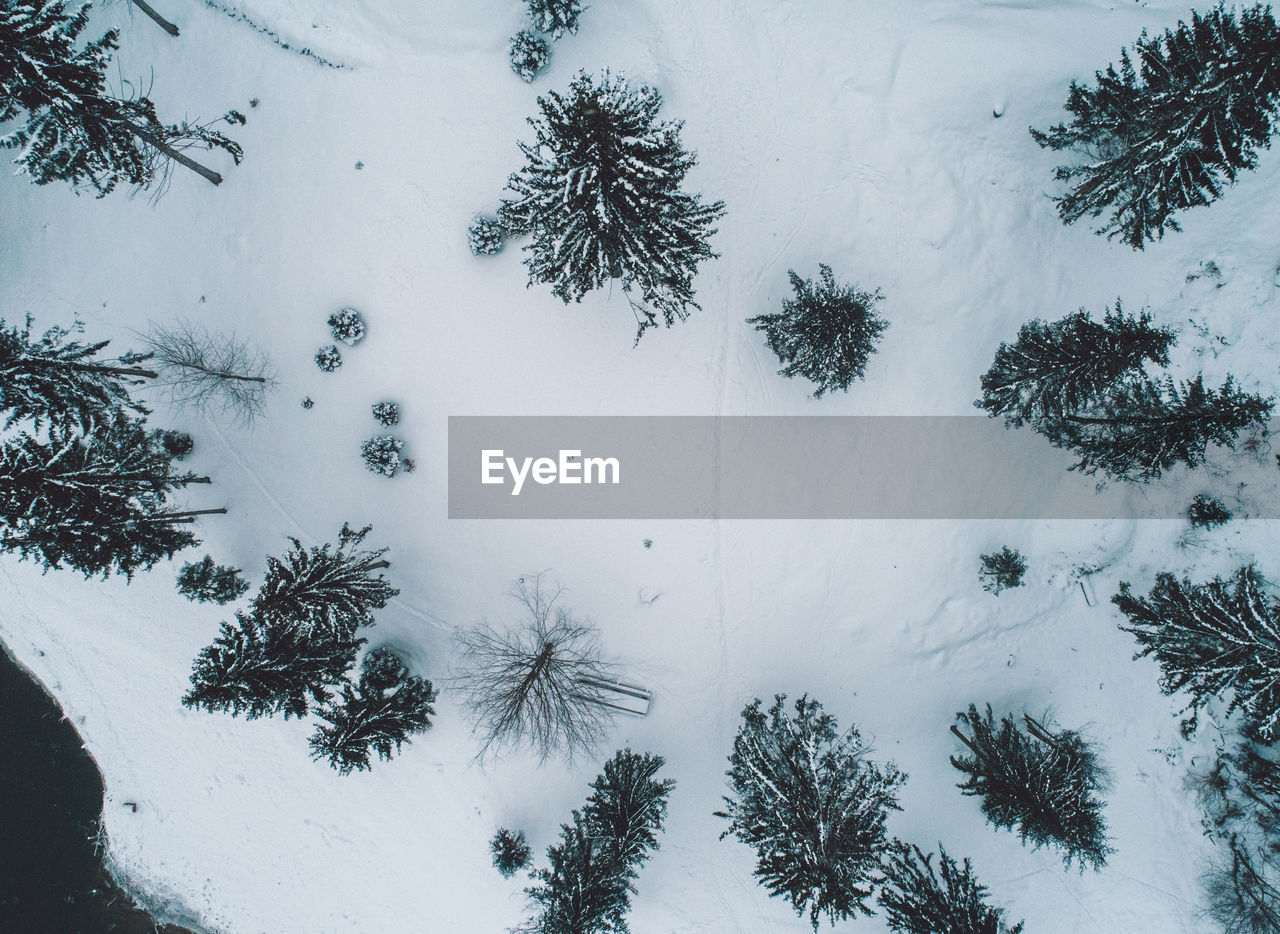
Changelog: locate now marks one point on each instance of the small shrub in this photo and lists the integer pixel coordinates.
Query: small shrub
(177, 444)
(347, 326)
(555, 17)
(307, 402)
(529, 54)
(386, 413)
(511, 852)
(1206, 512)
(328, 358)
(381, 454)
(485, 236)
(1002, 570)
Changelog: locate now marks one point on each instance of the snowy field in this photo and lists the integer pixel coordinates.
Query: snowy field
(838, 131)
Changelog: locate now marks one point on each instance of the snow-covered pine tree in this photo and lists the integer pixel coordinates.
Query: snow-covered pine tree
(381, 454)
(600, 193)
(1001, 570)
(347, 326)
(71, 127)
(1173, 125)
(826, 334)
(1207, 512)
(59, 380)
(511, 852)
(529, 54)
(1043, 783)
(386, 413)
(328, 358)
(627, 804)
(206, 582)
(555, 17)
(1061, 367)
(485, 236)
(378, 714)
(95, 501)
(1217, 639)
(581, 891)
(812, 805)
(917, 900)
(1145, 428)
(325, 589)
(262, 667)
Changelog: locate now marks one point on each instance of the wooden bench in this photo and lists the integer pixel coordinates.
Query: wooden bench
(625, 698)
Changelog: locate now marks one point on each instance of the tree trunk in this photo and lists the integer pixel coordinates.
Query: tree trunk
(378, 564)
(189, 514)
(183, 160)
(157, 18)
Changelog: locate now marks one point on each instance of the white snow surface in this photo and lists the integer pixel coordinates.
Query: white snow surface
(853, 133)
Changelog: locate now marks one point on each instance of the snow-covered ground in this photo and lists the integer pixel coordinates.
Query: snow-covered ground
(857, 134)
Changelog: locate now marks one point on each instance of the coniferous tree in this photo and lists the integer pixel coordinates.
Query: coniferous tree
(1043, 783)
(600, 193)
(827, 333)
(378, 714)
(64, 381)
(95, 501)
(511, 852)
(206, 582)
(1173, 125)
(1067, 366)
(813, 807)
(72, 128)
(326, 589)
(582, 890)
(1217, 639)
(627, 804)
(1002, 570)
(555, 17)
(1207, 512)
(1146, 428)
(260, 667)
(917, 900)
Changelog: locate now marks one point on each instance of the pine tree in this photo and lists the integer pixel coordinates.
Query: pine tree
(627, 804)
(1217, 639)
(917, 901)
(511, 852)
(827, 333)
(1001, 570)
(529, 54)
(324, 589)
(485, 236)
(1146, 428)
(813, 807)
(555, 17)
(1066, 366)
(95, 501)
(582, 891)
(1207, 512)
(378, 714)
(600, 192)
(1173, 125)
(54, 379)
(1046, 784)
(263, 667)
(347, 325)
(207, 582)
(381, 454)
(72, 128)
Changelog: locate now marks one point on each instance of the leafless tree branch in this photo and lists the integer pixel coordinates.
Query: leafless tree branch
(199, 368)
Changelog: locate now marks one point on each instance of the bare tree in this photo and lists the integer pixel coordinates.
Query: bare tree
(539, 684)
(199, 368)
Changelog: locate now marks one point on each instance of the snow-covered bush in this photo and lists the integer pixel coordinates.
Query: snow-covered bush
(347, 326)
(1206, 512)
(529, 54)
(813, 806)
(307, 402)
(511, 852)
(328, 358)
(555, 17)
(386, 413)
(485, 236)
(381, 454)
(1002, 570)
(826, 334)
(177, 444)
